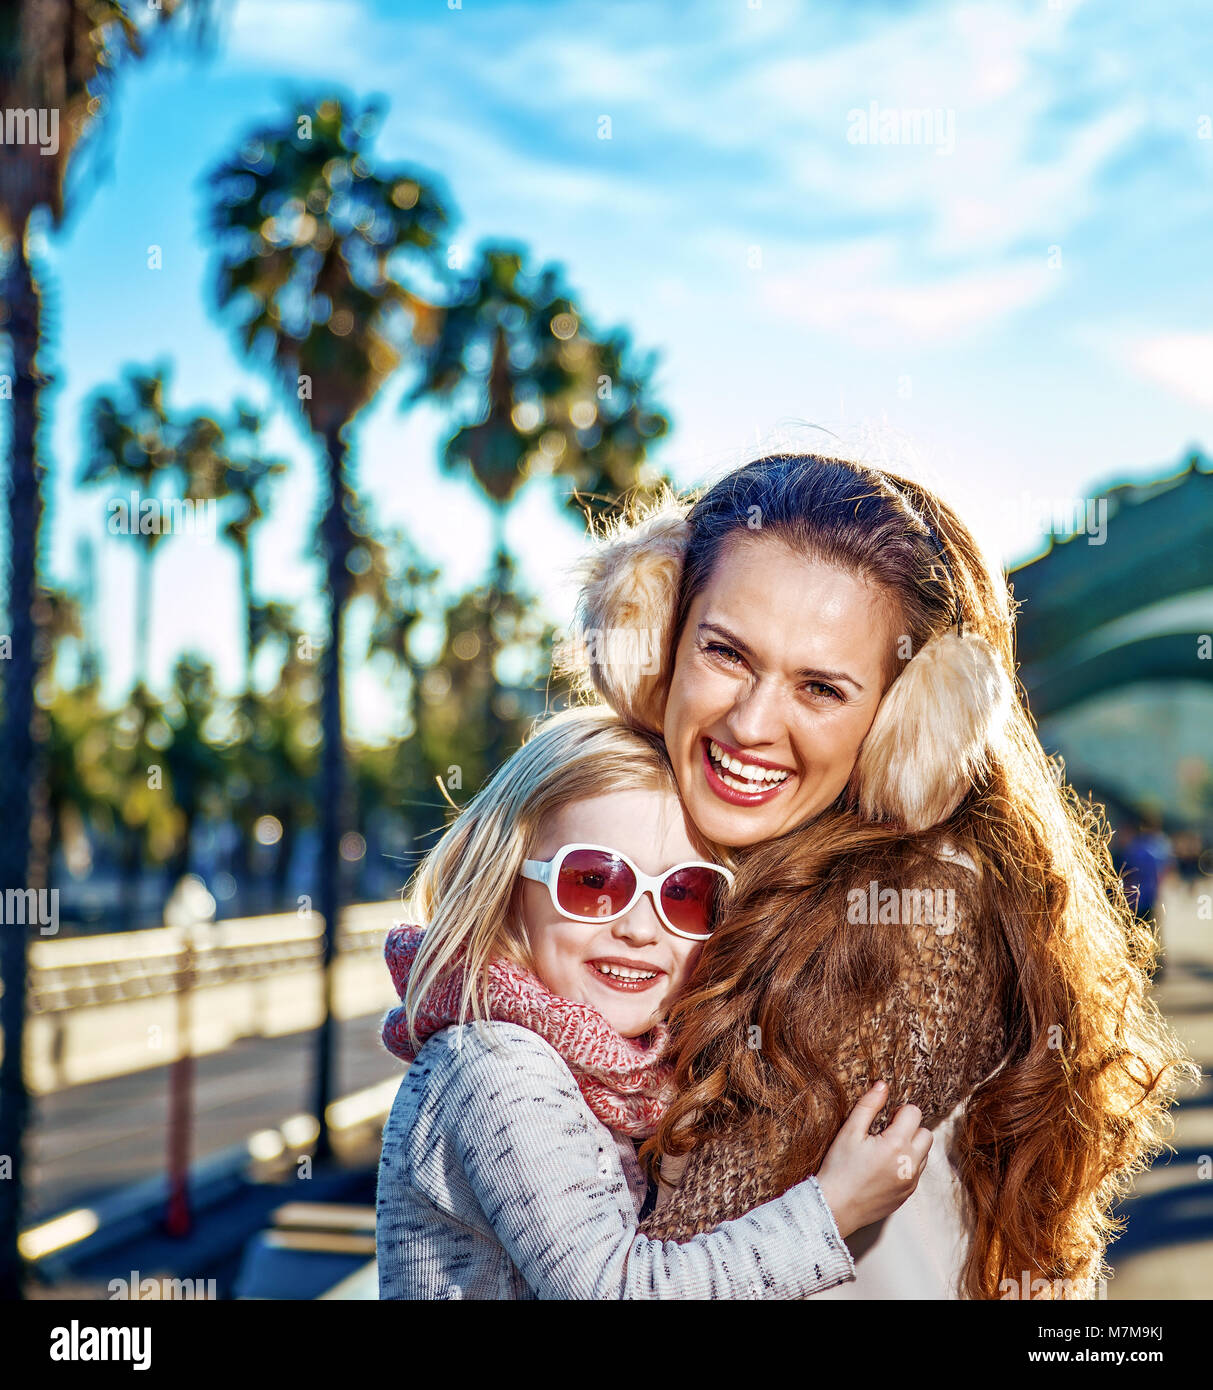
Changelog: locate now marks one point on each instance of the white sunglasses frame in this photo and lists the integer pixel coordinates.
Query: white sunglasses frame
(547, 871)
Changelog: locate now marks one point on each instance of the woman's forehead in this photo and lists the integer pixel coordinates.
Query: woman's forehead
(802, 610)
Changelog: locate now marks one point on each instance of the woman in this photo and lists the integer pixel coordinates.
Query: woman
(919, 898)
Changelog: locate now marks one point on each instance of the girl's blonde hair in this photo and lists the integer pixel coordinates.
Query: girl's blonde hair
(465, 893)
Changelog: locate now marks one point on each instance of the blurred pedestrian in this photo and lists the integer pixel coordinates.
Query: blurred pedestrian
(1188, 851)
(1145, 861)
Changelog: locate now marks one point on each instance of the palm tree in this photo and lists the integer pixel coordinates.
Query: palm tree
(402, 599)
(133, 442)
(59, 59)
(548, 396)
(609, 459)
(465, 713)
(195, 765)
(136, 443)
(77, 750)
(226, 462)
(145, 818)
(399, 606)
(67, 793)
(544, 397)
(280, 755)
(312, 241)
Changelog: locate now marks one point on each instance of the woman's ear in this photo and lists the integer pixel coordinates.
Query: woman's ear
(933, 732)
(625, 612)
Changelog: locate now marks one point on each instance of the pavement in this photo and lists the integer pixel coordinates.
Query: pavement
(1166, 1251)
(87, 1140)
(215, 1247)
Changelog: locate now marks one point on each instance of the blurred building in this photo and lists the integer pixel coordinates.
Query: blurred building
(1115, 641)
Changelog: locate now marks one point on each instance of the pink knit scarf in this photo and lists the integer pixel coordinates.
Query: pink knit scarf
(624, 1083)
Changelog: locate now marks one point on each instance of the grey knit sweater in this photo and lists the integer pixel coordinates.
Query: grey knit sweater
(497, 1181)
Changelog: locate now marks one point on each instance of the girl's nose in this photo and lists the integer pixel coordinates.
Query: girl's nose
(641, 925)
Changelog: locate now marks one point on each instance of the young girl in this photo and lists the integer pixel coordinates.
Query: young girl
(565, 907)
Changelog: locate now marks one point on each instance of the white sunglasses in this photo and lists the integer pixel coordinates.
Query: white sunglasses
(591, 883)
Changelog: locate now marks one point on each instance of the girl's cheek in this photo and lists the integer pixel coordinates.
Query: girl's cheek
(530, 911)
(685, 966)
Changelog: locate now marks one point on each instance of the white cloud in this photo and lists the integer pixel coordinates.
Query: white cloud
(1016, 177)
(1002, 184)
(509, 177)
(1182, 362)
(308, 34)
(734, 130)
(856, 291)
(544, 69)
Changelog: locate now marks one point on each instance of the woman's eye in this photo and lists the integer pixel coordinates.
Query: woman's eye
(827, 690)
(728, 654)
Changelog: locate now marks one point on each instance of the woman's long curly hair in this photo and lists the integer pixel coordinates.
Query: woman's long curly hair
(1049, 1142)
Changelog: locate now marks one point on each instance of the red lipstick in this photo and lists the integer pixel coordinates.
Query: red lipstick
(731, 794)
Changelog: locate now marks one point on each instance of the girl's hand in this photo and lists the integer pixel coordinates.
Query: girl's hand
(867, 1176)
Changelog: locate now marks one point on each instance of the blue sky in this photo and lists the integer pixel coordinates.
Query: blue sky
(1022, 311)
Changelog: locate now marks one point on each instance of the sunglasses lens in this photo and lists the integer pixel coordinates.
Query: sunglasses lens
(592, 883)
(691, 898)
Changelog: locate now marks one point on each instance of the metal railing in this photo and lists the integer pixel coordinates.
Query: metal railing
(82, 971)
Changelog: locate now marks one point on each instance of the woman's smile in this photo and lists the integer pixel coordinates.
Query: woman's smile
(739, 779)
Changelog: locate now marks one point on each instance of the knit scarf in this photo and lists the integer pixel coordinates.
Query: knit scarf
(626, 1084)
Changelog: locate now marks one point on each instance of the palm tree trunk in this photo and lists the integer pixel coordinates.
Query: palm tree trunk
(132, 867)
(336, 542)
(179, 864)
(495, 753)
(131, 875)
(19, 754)
(246, 590)
(280, 877)
(143, 610)
(242, 858)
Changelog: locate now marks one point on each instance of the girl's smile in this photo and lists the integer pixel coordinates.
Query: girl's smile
(628, 976)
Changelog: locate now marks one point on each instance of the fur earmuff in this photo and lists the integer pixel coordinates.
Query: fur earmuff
(625, 612)
(932, 732)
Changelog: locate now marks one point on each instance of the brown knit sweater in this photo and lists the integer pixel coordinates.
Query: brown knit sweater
(941, 1030)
